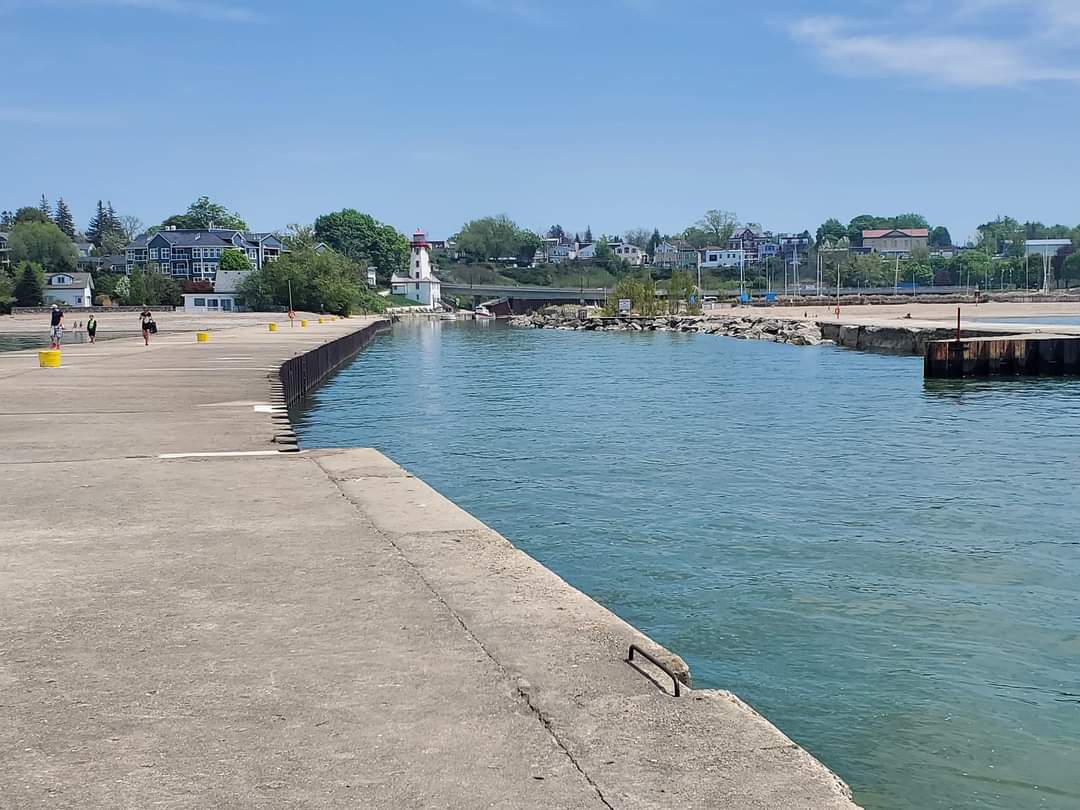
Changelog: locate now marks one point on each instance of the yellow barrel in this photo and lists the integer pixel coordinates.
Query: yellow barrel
(50, 358)
(272, 327)
(322, 320)
(303, 323)
(202, 337)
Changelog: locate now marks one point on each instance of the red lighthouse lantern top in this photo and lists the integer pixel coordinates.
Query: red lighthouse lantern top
(420, 239)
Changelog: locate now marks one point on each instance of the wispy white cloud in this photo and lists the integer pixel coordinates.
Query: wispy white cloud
(976, 53)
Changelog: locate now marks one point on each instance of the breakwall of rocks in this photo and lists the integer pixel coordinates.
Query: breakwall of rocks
(776, 330)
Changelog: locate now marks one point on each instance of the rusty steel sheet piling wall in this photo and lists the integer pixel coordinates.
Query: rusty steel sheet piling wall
(302, 374)
(1016, 355)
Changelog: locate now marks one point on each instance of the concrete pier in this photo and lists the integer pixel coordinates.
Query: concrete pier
(1013, 355)
(190, 618)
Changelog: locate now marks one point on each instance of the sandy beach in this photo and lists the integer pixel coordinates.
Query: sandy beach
(910, 314)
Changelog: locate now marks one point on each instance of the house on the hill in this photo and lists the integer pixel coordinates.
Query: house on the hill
(194, 255)
(895, 241)
(69, 289)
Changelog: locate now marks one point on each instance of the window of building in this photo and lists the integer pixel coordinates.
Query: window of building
(418, 286)
(165, 253)
(200, 302)
(153, 253)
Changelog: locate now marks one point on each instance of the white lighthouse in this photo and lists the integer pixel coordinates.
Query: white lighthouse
(419, 285)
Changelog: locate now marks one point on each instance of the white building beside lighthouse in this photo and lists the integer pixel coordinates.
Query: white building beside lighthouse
(419, 285)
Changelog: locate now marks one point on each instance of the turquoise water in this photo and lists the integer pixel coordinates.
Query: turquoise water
(889, 570)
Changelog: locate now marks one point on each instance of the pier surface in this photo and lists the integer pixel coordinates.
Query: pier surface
(189, 618)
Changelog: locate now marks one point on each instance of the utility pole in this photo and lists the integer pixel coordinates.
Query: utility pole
(896, 277)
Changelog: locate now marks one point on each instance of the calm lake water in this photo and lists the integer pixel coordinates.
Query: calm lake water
(888, 569)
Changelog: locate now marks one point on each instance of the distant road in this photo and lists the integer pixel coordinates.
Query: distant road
(530, 293)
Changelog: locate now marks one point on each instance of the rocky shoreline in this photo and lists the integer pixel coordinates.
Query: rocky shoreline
(775, 330)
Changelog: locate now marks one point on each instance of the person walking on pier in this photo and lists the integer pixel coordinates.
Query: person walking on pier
(56, 328)
(148, 325)
(91, 328)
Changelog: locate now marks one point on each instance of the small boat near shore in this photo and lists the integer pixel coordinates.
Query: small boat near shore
(483, 314)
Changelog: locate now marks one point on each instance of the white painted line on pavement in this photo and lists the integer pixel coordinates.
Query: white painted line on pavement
(225, 454)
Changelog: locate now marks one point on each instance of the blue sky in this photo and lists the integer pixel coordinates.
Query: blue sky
(610, 113)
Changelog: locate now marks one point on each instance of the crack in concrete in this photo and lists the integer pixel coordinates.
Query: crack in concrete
(522, 694)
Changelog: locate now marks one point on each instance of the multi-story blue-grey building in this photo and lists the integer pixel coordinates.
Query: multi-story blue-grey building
(194, 255)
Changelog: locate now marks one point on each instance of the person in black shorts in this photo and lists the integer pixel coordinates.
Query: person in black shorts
(91, 328)
(148, 325)
(56, 328)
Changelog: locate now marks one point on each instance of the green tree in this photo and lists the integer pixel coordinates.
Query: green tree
(362, 238)
(718, 226)
(299, 237)
(162, 290)
(7, 220)
(831, 230)
(122, 289)
(654, 241)
(908, 221)
(681, 289)
(106, 284)
(940, 237)
(588, 235)
(98, 227)
(45, 208)
(204, 214)
(604, 254)
(556, 232)
(234, 260)
(863, 222)
(1070, 269)
(994, 234)
(30, 214)
(972, 268)
(30, 287)
(497, 237)
(326, 281)
(696, 237)
(137, 291)
(641, 293)
(63, 219)
(45, 244)
(7, 291)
